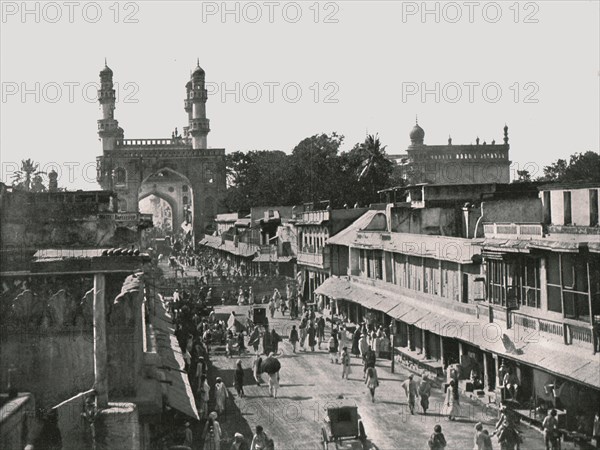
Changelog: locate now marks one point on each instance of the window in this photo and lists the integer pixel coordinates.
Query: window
(186, 200)
(378, 265)
(122, 205)
(502, 282)
(120, 176)
(547, 207)
(593, 207)
(530, 277)
(184, 188)
(572, 290)
(567, 207)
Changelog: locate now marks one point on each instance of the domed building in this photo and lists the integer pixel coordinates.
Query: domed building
(479, 163)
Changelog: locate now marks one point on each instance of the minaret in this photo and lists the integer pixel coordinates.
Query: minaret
(195, 106)
(505, 134)
(108, 127)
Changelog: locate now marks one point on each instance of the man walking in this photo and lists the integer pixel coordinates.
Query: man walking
(345, 363)
(425, 392)
(369, 360)
(410, 389)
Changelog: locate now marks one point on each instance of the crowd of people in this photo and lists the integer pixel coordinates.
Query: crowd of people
(197, 329)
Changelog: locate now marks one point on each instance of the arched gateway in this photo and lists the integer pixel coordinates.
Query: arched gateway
(180, 171)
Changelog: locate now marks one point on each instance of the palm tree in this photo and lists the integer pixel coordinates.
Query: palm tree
(375, 168)
(28, 178)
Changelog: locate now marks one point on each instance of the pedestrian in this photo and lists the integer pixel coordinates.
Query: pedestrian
(231, 342)
(303, 331)
(212, 433)
(250, 296)
(425, 392)
(333, 350)
(277, 299)
(342, 339)
(550, 427)
(275, 339)
(478, 439)
(221, 394)
(204, 397)
(272, 308)
(240, 343)
(312, 332)
(266, 342)
(239, 442)
(452, 402)
(273, 380)
(320, 331)
(345, 358)
(254, 339)
(363, 345)
(239, 378)
(437, 441)
(369, 360)
(260, 441)
(411, 391)
(294, 337)
(372, 382)
(189, 438)
(256, 369)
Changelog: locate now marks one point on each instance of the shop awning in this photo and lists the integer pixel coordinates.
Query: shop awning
(266, 257)
(178, 393)
(521, 345)
(339, 289)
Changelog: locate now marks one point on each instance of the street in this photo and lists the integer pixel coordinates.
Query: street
(310, 382)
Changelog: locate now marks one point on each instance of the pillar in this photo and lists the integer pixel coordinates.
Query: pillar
(118, 427)
(497, 375)
(543, 285)
(100, 353)
(425, 346)
(442, 349)
(486, 374)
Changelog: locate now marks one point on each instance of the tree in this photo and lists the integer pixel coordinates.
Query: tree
(523, 176)
(315, 169)
(256, 178)
(372, 169)
(28, 178)
(581, 167)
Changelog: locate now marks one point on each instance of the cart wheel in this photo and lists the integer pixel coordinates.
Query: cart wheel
(325, 441)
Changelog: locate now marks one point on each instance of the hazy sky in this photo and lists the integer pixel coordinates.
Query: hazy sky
(296, 69)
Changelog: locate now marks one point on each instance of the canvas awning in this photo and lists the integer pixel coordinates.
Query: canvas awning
(178, 392)
(519, 344)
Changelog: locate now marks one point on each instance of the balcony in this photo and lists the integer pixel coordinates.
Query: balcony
(513, 230)
(319, 258)
(568, 333)
(313, 217)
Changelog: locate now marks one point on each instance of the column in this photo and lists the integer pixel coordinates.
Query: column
(441, 349)
(425, 346)
(486, 375)
(100, 353)
(543, 285)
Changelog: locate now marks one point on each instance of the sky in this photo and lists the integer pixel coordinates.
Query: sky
(278, 72)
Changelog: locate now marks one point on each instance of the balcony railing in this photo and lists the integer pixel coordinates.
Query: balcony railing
(177, 142)
(319, 259)
(567, 332)
(314, 217)
(528, 230)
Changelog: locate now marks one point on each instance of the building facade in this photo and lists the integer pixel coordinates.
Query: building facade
(454, 164)
(182, 171)
(514, 288)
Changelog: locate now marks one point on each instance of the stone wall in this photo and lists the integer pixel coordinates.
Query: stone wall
(52, 365)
